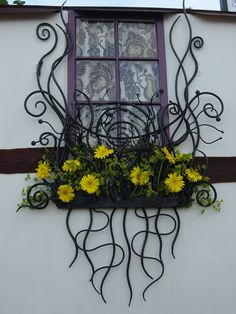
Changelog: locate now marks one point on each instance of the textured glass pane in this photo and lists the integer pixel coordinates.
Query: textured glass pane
(96, 79)
(94, 39)
(137, 40)
(138, 78)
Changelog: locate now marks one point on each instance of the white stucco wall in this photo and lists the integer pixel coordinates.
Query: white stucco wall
(35, 249)
(216, 70)
(20, 53)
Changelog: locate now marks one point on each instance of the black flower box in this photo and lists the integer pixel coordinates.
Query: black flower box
(83, 202)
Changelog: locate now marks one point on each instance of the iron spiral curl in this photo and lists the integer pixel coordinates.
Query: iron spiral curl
(37, 196)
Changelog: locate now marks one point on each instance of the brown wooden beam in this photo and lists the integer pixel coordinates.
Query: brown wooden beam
(19, 160)
(24, 160)
(222, 169)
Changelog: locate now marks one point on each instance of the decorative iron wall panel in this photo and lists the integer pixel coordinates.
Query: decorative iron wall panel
(115, 155)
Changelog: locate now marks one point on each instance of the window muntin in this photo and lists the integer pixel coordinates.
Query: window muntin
(116, 60)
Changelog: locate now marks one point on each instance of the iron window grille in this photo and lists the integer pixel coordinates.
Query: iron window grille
(186, 110)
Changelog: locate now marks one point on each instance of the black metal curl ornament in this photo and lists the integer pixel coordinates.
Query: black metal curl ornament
(138, 133)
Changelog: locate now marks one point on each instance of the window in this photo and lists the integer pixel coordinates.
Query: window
(118, 64)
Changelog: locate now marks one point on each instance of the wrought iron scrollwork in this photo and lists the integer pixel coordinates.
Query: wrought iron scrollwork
(125, 253)
(122, 127)
(49, 95)
(100, 124)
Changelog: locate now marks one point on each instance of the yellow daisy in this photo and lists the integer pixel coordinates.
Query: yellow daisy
(66, 193)
(139, 177)
(102, 152)
(144, 177)
(135, 175)
(174, 182)
(168, 155)
(71, 165)
(43, 170)
(89, 184)
(193, 175)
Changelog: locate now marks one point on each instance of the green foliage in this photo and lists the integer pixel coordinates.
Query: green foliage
(133, 172)
(217, 205)
(3, 2)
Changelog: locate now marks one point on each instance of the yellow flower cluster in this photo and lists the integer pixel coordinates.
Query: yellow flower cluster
(71, 165)
(102, 152)
(43, 170)
(90, 184)
(139, 177)
(66, 193)
(168, 155)
(193, 175)
(174, 182)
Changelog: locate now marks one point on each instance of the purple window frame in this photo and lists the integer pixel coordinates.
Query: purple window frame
(157, 18)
